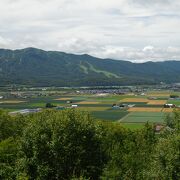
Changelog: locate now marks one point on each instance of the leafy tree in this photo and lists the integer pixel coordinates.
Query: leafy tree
(173, 120)
(130, 153)
(166, 159)
(165, 163)
(49, 105)
(174, 96)
(11, 126)
(8, 156)
(10, 131)
(61, 145)
(6, 124)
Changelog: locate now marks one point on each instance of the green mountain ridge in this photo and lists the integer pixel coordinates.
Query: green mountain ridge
(37, 67)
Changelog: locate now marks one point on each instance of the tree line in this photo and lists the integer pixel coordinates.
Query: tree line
(70, 144)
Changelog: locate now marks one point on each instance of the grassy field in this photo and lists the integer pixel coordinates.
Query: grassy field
(145, 109)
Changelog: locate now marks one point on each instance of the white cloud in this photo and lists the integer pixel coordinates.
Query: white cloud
(121, 29)
(5, 43)
(148, 48)
(148, 53)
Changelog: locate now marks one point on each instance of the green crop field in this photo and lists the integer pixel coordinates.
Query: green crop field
(176, 102)
(95, 105)
(111, 115)
(142, 117)
(111, 98)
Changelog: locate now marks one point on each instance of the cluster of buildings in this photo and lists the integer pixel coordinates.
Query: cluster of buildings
(103, 91)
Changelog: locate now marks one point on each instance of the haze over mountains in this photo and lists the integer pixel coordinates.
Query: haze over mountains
(36, 67)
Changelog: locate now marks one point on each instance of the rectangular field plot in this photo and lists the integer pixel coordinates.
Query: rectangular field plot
(168, 110)
(135, 100)
(176, 102)
(157, 102)
(93, 108)
(11, 102)
(142, 117)
(63, 99)
(95, 105)
(88, 102)
(138, 104)
(143, 104)
(80, 98)
(159, 94)
(108, 98)
(109, 115)
(144, 109)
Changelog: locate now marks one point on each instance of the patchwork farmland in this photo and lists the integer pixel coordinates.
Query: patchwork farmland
(131, 110)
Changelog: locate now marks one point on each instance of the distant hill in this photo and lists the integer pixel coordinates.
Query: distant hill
(36, 67)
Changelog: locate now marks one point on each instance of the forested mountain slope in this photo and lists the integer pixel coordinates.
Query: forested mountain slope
(36, 67)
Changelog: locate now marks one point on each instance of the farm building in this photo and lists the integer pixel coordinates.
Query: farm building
(169, 106)
(68, 102)
(123, 105)
(115, 107)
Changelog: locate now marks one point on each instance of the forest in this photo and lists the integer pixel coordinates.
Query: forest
(71, 144)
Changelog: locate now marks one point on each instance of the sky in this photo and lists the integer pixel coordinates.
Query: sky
(135, 30)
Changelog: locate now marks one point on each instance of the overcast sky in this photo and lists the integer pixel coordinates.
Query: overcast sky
(136, 30)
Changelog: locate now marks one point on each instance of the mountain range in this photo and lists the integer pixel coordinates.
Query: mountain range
(35, 67)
